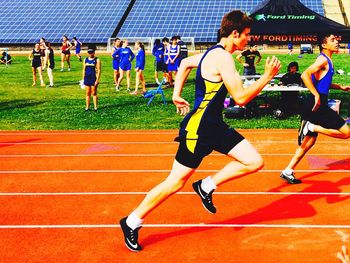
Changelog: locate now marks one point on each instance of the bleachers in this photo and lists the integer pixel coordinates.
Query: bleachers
(96, 21)
(89, 20)
(196, 18)
(333, 11)
(346, 9)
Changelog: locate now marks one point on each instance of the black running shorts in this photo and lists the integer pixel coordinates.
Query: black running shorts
(160, 66)
(222, 142)
(324, 116)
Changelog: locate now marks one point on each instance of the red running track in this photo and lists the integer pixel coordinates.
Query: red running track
(63, 193)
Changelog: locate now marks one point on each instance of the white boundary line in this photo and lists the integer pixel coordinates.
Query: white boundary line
(179, 226)
(157, 171)
(156, 142)
(128, 132)
(179, 193)
(148, 154)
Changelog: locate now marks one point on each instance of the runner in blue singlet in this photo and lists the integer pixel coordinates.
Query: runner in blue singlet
(316, 116)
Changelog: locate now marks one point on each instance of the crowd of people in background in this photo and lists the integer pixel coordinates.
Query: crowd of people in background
(168, 54)
(167, 58)
(43, 57)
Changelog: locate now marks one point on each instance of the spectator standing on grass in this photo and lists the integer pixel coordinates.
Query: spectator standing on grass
(49, 62)
(249, 56)
(139, 67)
(159, 64)
(91, 77)
(116, 59)
(290, 49)
(166, 45)
(173, 59)
(35, 57)
(126, 56)
(65, 55)
(77, 44)
(43, 47)
(183, 49)
(6, 58)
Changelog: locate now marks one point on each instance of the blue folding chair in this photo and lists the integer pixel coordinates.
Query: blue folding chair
(151, 94)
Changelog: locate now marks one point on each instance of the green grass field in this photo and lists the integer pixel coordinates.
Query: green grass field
(23, 107)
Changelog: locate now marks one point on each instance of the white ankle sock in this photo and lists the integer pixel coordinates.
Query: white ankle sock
(311, 127)
(208, 185)
(288, 171)
(133, 221)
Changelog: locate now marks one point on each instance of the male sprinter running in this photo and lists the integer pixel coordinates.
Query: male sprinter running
(203, 129)
(317, 117)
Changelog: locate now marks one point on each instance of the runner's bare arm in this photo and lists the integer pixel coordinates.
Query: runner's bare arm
(182, 106)
(233, 81)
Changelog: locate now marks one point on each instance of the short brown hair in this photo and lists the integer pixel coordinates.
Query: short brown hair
(234, 20)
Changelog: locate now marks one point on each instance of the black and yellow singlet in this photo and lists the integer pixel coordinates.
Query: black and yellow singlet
(205, 120)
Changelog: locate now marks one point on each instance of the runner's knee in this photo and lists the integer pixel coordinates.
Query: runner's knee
(173, 186)
(256, 164)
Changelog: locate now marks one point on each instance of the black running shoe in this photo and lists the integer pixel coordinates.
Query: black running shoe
(290, 178)
(130, 236)
(301, 134)
(206, 198)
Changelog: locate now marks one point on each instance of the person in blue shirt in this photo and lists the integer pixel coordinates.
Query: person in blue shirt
(139, 67)
(290, 49)
(159, 65)
(77, 44)
(126, 56)
(166, 44)
(116, 59)
(316, 116)
(91, 76)
(173, 58)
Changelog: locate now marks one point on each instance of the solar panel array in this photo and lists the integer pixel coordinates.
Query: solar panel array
(89, 20)
(95, 21)
(196, 18)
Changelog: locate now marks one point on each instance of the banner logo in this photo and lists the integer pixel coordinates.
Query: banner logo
(264, 17)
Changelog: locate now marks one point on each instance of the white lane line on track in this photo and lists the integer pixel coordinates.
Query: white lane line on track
(147, 154)
(179, 193)
(156, 142)
(126, 132)
(179, 226)
(155, 171)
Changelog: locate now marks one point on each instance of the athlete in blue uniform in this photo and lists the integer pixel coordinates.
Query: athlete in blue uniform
(317, 117)
(91, 76)
(77, 44)
(173, 58)
(139, 67)
(203, 129)
(159, 65)
(35, 57)
(116, 59)
(126, 56)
